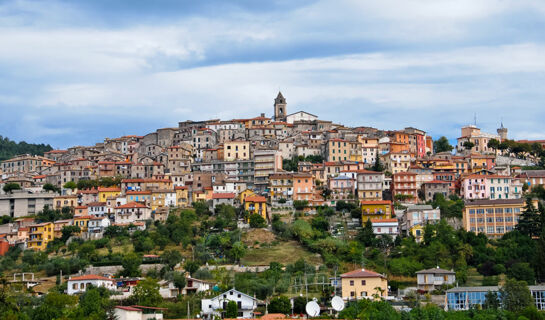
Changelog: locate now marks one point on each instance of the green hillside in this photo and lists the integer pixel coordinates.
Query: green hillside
(9, 148)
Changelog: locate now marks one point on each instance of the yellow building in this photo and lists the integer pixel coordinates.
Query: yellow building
(363, 283)
(418, 232)
(492, 217)
(376, 210)
(256, 204)
(105, 193)
(236, 150)
(198, 196)
(60, 202)
(82, 222)
(40, 235)
(182, 196)
(337, 150)
(244, 194)
(281, 186)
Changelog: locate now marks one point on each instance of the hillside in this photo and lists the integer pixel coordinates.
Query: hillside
(9, 148)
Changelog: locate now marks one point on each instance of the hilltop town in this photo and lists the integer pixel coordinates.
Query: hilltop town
(255, 217)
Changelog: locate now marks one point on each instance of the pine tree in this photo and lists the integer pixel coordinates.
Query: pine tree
(530, 221)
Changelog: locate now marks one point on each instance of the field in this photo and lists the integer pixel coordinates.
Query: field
(285, 252)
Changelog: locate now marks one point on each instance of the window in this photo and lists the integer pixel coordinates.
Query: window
(351, 282)
(362, 282)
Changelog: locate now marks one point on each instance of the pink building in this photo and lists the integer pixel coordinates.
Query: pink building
(488, 187)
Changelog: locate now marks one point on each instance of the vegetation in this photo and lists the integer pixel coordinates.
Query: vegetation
(293, 163)
(10, 186)
(442, 145)
(10, 149)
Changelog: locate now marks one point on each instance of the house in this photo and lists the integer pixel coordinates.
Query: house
(40, 235)
(431, 188)
(132, 212)
(404, 187)
(361, 283)
(492, 217)
(81, 283)
(223, 198)
(431, 279)
(369, 184)
(137, 313)
(385, 227)
(96, 226)
(376, 210)
(418, 215)
(212, 308)
(256, 204)
(196, 285)
(464, 298)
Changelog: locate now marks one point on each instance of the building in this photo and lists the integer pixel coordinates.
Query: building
(431, 279)
(40, 235)
(236, 150)
(79, 284)
(480, 139)
(137, 313)
(337, 150)
(303, 187)
(196, 285)
(280, 107)
(492, 217)
(223, 198)
(404, 187)
(20, 203)
(369, 185)
(267, 162)
(431, 188)
(478, 186)
(376, 210)
(418, 215)
(256, 204)
(464, 298)
(132, 212)
(362, 283)
(388, 227)
(533, 177)
(281, 186)
(216, 306)
(300, 116)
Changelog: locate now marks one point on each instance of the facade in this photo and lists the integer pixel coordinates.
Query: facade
(337, 150)
(376, 210)
(361, 283)
(80, 284)
(464, 298)
(388, 227)
(20, 203)
(492, 217)
(431, 279)
(430, 189)
(477, 186)
(40, 235)
(369, 185)
(303, 187)
(216, 306)
(404, 186)
(236, 150)
(479, 139)
(132, 212)
(256, 204)
(418, 215)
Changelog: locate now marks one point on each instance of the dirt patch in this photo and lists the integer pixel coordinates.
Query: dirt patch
(258, 235)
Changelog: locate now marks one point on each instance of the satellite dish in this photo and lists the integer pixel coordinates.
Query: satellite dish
(313, 309)
(337, 303)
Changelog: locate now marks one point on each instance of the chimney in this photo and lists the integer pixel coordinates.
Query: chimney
(263, 115)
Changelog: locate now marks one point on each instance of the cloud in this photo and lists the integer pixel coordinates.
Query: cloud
(101, 68)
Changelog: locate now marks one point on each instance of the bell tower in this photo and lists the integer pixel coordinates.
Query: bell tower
(280, 106)
(502, 132)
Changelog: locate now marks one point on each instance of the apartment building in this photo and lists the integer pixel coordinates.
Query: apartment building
(492, 217)
(20, 203)
(40, 235)
(369, 184)
(404, 185)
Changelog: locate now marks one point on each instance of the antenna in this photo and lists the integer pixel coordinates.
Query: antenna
(313, 309)
(337, 303)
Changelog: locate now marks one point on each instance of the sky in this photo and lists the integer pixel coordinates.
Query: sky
(75, 72)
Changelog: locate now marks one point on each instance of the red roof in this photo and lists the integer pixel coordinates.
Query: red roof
(90, 277)
(361, 273)
(180, 187)
(96, 204)
(110, 189)
(383, 220)
(255, 199)
(144, 180)
(128, 308)
(436, 181)
(226, 195)
(131, 205)
(39, 177)
(138, 192)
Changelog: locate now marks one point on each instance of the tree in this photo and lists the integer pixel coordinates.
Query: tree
(70, 185)
(146, 293)
(93, 304)
(522, 271)
(468, 145)
(10, 186)
(377, 166)
(52, 188)
(530, 220)
(68, 231)
(367, 235)
(491, 301)
(54, 306)
(179, 281)
(237, 251)
(280, 305)
(191, 267)
(493, 144)
(442, 145)
(539, 257)
(231, 310)
(171, 258)
(300, 204)
(515, 295)
(299, 304)
(257, 221)
(131, 265)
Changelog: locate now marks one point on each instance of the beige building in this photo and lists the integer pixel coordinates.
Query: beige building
(363, 283)
(23, 203)
(337, 150)
(492, 217)
(369, 184)
(236, 150)
(24, 164)
(480, 139)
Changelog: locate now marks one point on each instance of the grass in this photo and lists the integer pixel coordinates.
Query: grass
(285, 252)
(473, 278)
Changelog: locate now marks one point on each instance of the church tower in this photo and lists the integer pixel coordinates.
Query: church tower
(280, 107)
(502, 132)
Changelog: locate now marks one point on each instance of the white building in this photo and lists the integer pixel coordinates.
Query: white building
(385, 227)
(137, 313)
(132, 212)
(431, 279)
(300, 116)
(81, 283)
(97, 225)
(97, 209)
(245, 303)
(196, 285)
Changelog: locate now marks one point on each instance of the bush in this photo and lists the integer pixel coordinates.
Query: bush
(257, 221)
